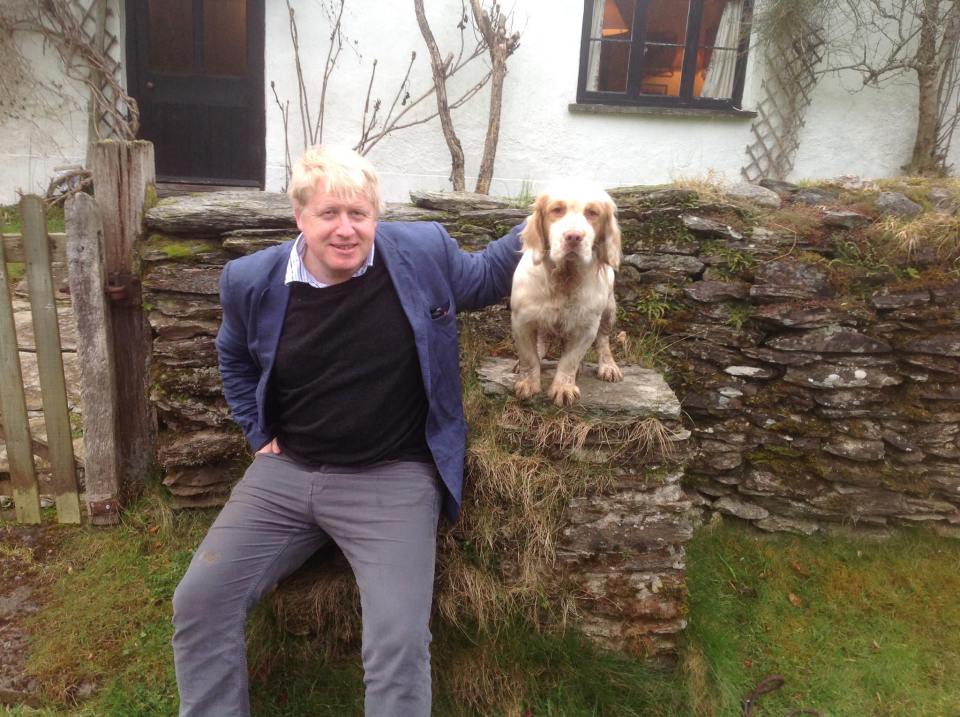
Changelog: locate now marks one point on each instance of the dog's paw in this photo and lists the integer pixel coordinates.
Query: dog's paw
(609, 372)
(526, 387)
(564, 394)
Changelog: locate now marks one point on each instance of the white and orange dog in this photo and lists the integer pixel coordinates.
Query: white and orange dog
(563, 288)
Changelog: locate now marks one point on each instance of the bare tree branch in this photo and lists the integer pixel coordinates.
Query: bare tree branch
(439, 69)
(336, 40)
(500, 44)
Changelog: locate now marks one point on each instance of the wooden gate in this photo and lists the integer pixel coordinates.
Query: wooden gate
(34, 250)
(113, 343)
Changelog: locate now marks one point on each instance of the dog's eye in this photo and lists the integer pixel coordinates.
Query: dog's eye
(591, 213)
(558, 211)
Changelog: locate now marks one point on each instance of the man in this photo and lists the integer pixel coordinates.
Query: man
(339, 360)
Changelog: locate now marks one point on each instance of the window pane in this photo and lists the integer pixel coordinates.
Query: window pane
(610, 30)
(171, 35)
(607, 66)
(225, 37)
(663, 49)
(717, 52)
(618, 18)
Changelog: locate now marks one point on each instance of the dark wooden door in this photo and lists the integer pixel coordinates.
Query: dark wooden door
(196, 70)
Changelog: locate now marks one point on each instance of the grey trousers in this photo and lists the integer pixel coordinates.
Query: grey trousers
(384, 519)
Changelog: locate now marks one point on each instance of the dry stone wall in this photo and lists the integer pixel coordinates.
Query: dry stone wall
(818, 370)
(818, 364)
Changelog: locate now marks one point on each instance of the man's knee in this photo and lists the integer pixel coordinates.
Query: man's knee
(199, 597)
(393, 637)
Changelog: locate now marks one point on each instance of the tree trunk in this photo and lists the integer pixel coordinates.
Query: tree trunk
(443, 106)
(493, 33)
(924, 160)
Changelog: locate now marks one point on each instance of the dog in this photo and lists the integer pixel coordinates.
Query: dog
(563, 287)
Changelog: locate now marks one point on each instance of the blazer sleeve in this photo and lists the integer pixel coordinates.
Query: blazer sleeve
(482, 278)
(239, 369)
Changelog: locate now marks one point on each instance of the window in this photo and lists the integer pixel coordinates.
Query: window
(688, 53)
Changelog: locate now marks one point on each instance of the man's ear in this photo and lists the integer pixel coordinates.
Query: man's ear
(297, 213)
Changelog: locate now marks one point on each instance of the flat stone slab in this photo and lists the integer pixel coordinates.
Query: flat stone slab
(210, 212)
(643, 392)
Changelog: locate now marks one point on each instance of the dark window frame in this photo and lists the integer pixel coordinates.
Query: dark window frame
(632, 97)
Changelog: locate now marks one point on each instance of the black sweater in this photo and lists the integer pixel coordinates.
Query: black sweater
(346, 387)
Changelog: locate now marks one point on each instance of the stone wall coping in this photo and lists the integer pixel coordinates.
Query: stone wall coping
(643, 392)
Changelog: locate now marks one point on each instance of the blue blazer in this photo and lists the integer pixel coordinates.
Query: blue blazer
(433, 278)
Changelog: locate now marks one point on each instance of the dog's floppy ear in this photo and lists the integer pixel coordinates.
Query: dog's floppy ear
(534, 234)
(608, 246)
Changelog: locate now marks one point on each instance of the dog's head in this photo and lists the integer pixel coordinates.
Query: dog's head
(573, 222)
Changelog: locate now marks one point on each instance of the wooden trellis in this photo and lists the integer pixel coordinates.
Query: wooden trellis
(98, 21)
(788, 85)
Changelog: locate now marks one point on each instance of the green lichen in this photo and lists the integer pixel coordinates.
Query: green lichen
(735, 263)
(178, 249)
(739, 314)
(774, 454)
(901, 480)
(150, 198)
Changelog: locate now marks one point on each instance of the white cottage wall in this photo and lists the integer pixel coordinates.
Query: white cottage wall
(50, 127)
(867, 132)
(861, 131)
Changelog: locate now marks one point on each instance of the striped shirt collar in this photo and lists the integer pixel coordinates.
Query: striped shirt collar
(297, 270)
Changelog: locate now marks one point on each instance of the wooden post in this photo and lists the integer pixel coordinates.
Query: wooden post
(13, 406)
(122, 171)
(98, 389)
(53, 389)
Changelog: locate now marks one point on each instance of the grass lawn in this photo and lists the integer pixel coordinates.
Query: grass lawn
(857, 628)
(10, 219)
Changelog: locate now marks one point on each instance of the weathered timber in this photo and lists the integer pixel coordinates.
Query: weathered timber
(98, 388)
(122, 171)
(49, 359)
(13, 245)
(13, 406)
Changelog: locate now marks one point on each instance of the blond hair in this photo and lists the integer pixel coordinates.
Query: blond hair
(338, 171)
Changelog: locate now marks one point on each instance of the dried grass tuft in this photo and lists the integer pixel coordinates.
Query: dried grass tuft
(711, 187)
(568, 435)
(468, 594)
(940, 231)
(696, 670)
(322, 598)
(479, 684)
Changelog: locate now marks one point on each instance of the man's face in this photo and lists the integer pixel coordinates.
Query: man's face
(338, 234)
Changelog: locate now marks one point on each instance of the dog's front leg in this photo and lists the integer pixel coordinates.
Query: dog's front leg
(607, 369)
(528, 370)
(564, 391)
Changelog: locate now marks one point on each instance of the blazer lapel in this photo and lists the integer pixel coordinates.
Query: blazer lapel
(271, 311)
(405, 282)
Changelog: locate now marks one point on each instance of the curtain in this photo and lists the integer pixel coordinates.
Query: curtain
(593, 60)
(723, 62)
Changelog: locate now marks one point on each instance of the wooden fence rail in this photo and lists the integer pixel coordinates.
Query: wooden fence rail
(13, 246)
(13, 407)
(37, 256)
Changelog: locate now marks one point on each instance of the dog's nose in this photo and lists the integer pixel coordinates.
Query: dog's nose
(573, 237)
